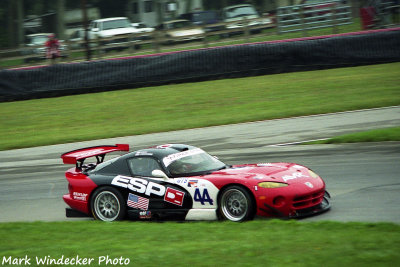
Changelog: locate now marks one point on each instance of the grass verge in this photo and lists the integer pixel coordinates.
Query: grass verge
(255, 243)
(377, 135)
(182, 106)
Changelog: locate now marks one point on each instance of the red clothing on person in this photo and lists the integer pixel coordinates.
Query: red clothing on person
(52, 46)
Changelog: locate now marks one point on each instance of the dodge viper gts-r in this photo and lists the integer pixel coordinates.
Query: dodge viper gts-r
(183, 182)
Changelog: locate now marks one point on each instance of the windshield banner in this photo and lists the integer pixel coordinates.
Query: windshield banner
(171, 158)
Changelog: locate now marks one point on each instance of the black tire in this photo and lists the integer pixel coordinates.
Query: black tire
(107, 204)
(235, 204)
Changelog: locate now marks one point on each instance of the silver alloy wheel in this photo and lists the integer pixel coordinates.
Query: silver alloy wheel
(234, 205)
(107, 206)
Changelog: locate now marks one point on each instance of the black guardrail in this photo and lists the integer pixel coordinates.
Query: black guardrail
(380, 46)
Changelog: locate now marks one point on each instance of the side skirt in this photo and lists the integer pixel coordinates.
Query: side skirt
(171, 214)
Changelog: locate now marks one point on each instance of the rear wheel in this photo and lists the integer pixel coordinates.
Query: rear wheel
(108, 204)
(235, 204)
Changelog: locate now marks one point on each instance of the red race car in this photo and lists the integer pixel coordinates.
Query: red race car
(183, 182)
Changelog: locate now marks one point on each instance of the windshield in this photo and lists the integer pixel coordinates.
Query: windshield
(178, 24)
(204, 17)
(240, 11)
(115, 24)
(191, 162)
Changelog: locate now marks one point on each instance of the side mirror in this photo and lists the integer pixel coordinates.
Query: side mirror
(159, 174)
(95, 29)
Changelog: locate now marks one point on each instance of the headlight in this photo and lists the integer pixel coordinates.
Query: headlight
(313, 174)
(271, 185)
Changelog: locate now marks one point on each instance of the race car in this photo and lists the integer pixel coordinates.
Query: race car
(183, 182)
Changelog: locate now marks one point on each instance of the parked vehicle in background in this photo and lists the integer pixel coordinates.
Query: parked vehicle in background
(143, 29)
(237, 15)
(119, 27)
(77, 39)
(35, 47)
(205, 19)
(180, 31)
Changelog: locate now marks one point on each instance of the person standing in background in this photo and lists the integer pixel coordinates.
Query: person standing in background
(52, 48)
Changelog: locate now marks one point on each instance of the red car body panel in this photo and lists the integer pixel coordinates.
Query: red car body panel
(80, 188)
(282, 201)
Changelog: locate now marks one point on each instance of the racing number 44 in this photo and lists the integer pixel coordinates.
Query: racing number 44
(202, 198)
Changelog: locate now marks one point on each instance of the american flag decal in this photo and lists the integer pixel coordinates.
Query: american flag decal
(137, 202)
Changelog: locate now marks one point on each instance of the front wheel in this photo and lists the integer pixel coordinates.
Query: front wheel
(235, 204)
(108, 205)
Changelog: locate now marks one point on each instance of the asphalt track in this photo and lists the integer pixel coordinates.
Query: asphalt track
(363, 178)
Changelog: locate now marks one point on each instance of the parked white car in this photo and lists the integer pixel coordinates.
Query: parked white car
(144, 30)
(237, 15)
(35, 47)
(181, 31)
(112, 27)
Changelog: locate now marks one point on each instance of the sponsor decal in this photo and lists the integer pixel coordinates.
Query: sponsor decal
(181, 180)
(174, 196)
(310, 185)
(239, 169)
(294, 175)
(270, 165)
(145, 214)
(173, 157)
(164, 146)
(87, 153)
(188, 182)
(137, 202)
(143, 153)
(79, 196)
(193, 183)
(139, 185)
(298, 166)
(265, 164)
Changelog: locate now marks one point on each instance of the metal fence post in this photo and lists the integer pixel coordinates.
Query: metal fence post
(99, 49)
(156, 41)
(334, 18)
(131, 39)
(278, 21)
(246, 29)
(303, 26)
(205, 39)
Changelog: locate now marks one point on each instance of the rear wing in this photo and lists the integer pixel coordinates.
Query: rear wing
(78, 156)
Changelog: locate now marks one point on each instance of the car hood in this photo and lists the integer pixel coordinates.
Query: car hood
(119, 31)
(244, 17)
(289, 173)
(185, 32)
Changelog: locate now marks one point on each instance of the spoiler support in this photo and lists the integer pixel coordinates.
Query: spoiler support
(78, 156)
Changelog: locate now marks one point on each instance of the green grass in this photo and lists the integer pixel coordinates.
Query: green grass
(377, 135)
(255, 243)
(181, 106)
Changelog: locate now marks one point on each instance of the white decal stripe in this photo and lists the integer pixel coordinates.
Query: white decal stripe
(171, 158)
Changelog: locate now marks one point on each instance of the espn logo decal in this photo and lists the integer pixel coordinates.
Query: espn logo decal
(174, 196)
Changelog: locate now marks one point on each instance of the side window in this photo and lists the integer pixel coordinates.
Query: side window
(148, 6)
(135, 8)
(143, 166)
